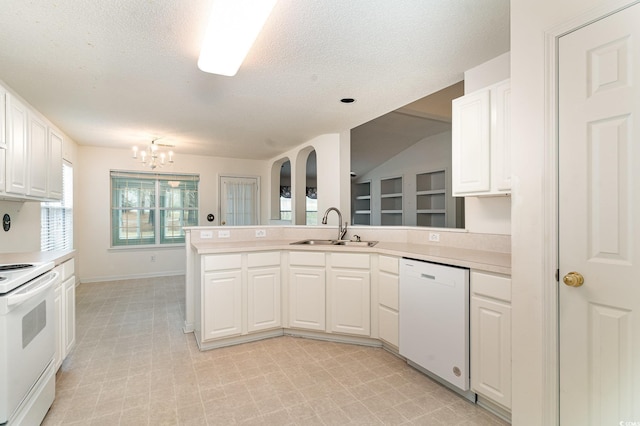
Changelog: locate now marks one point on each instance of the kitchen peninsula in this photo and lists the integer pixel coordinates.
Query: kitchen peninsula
(250, 283)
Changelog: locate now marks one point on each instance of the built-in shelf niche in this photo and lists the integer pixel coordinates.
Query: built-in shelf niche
(431, 199)
(391, 208)
(362, 203)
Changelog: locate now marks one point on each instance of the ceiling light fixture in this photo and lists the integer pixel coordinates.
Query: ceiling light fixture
(233, 27)
(152, 156)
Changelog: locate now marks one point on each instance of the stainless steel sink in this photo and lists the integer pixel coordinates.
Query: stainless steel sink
(315, 242)
(336, 243)
(356, 243)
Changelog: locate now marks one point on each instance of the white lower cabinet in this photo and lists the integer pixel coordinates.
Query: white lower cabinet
(263, 291)
(65, 311)
(59, 316)
(307, 292)
(388, 293)
(69, 287)
(239, 294)
(350, 289)
(491, 337)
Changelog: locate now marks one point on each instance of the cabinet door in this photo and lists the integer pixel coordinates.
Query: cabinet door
(471, 143)
(263, 299)
(69, 314)
(16, 156)
(54, 165)
(3, 136)
(59, 316)
(501, 137)
(491, 349)
(37, 154)
(307, 298)
(222, 312)
(351, 302)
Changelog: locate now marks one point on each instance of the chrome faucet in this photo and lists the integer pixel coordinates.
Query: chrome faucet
(341, 231)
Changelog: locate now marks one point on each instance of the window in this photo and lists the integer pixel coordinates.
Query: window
(152, 208)
(56, 218)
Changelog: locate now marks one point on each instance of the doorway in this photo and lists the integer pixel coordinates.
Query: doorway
(238, 202)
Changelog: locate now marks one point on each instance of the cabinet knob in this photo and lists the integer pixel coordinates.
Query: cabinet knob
(573, 279)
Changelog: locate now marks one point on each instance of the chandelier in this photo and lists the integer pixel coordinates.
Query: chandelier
(152, 156)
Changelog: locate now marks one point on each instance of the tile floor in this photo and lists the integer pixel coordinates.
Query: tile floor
(133, 365)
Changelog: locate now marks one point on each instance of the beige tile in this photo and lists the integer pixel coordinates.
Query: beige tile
(132, 365)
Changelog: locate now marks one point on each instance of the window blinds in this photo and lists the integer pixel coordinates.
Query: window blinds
(56, 218)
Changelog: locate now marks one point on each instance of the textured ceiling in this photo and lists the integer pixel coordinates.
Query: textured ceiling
(120, 72)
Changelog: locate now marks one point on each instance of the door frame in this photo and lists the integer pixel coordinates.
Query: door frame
(258, 195)
(551, 324)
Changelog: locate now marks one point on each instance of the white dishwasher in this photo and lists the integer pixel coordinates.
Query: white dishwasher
(434, 319)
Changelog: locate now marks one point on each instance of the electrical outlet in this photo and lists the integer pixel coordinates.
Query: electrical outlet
(205, 235)
(261, 233)
(224, 234)
(434, 236)
(153, 257)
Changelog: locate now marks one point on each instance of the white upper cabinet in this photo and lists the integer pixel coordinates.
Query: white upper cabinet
(37, 152)
(16, 155)
(30, 152)
(3, 135)
(54, 165)
(481, 154)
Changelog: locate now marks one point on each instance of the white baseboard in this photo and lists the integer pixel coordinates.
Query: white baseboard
(130, 277)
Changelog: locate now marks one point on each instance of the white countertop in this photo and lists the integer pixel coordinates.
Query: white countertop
(57, 256)
(473, 259)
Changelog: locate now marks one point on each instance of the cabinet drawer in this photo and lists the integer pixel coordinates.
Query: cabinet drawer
(388, 290)
(491, 285)
(350, 260)
(256, 260)
(221, 262)
(388, 264)
(306, 258)
(388, 325)
(68, 269)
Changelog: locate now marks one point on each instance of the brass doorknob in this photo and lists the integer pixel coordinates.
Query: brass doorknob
(573, 279)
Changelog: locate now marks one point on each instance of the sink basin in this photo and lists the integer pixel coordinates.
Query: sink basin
(336, 243)
(357, 243)
(315, 242)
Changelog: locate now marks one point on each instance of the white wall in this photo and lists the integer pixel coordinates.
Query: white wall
(488, 215)
(333, 161)
(429, 154)
(24, 234)
(531, 20)
(97, 261)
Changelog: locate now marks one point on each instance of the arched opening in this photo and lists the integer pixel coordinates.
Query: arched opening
(311, 188)
(281, 193)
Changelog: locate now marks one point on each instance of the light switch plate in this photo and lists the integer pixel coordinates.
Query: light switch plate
(205, 235)
(224, 234)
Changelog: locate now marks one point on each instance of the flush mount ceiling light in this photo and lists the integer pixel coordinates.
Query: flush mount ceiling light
(152, 156)
(233, 27)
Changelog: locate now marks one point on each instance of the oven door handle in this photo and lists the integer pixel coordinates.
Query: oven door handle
(16, 299)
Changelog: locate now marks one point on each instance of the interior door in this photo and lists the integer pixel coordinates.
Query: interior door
(599, 221)
(238, 201)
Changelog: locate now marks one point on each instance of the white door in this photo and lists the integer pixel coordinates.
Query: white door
(599, 221)
(239, 201)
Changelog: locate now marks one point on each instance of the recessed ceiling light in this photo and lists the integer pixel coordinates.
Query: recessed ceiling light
(347, 100)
